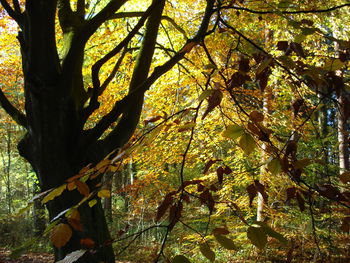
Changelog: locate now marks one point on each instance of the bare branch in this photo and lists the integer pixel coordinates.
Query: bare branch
(130, 106)
(12, 13)
(11, 110)
(16, 6)
(175, 25)
(97, 66)
(109, 10)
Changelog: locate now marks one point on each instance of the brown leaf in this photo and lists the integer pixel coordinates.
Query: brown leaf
(252, 192)
(282, 45)
(220, 231)
(220, 174)
(213, 101)
(168, 199)
(298, 49)
(301, 201)
(60, 235)
(256, 116)
(261, 189)
(87, 243)
(206, 197)
(153, 119)
(297, 105)
(74, 220)
(244, 65)
(175, 214)
(209, 164)
(227, 170)
(290, 194)
(82, 188)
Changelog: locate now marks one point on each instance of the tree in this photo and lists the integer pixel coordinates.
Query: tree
(58, 102)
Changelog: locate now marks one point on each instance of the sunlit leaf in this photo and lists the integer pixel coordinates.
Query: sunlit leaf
(233, 132)
(274, 166)
(247, 143)
(104, 193)
(92, 202)
(54, 193)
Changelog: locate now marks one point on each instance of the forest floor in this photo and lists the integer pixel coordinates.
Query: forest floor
(30, 257)
(27, 258)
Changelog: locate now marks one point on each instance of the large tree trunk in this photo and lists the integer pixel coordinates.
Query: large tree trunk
(56, 143)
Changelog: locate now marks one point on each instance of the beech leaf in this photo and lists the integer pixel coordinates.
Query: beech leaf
(206, 251)
(247, 143)
(180, 259)
(257, 236)
(213, 101)
(104, 193)
(233, 132)
(54, 193)
(60, 235)
(225, 242)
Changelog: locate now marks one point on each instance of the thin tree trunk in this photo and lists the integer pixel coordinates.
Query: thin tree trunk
(342, 134)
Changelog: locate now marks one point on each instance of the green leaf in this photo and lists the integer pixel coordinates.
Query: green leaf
(225, 242)
(247, 143)
(274, 166)
(257, 236)
(180, 259)
(54, 193)
(233, 132)
(207, 252)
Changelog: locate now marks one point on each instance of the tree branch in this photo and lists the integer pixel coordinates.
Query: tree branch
(94, 23)
(16, 6)
(11, 110)
(81, 8)
(312, 11)
(12, 13)
(93, 105)
(130, 106)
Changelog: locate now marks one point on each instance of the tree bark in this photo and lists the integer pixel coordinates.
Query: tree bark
(56, 144)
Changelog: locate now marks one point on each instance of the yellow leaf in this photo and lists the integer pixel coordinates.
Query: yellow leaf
(54, 193)
(103, 164)
(104, 193)
(60, 235)
(92, 202)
